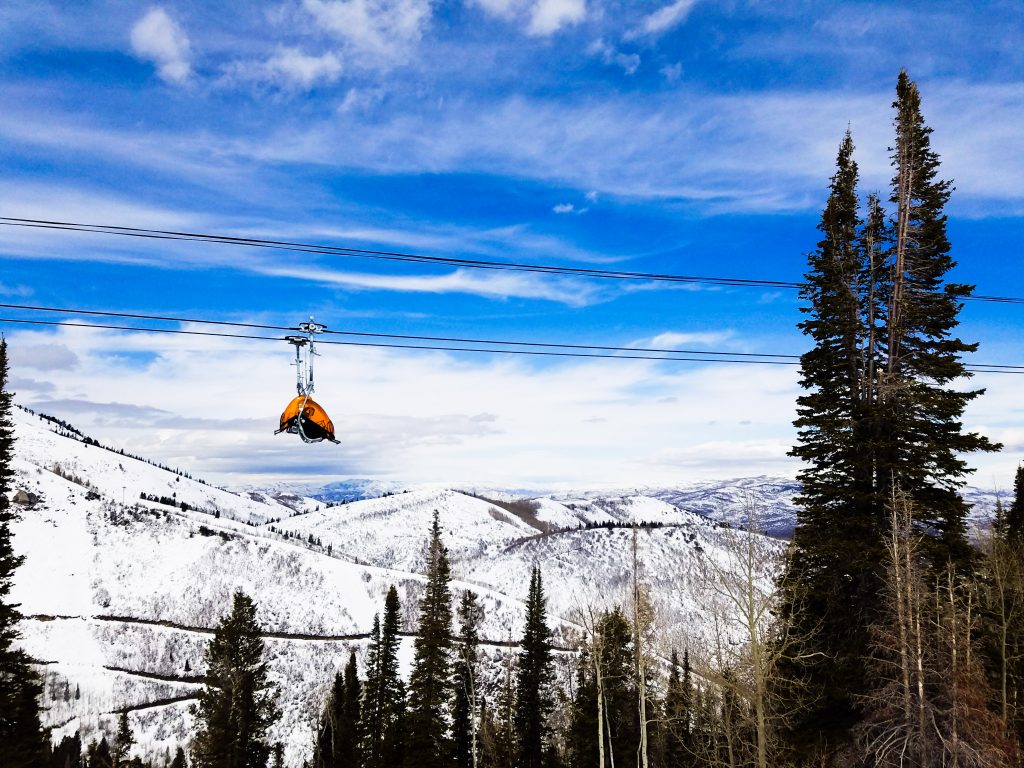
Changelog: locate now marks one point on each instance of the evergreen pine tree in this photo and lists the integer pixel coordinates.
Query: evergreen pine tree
(22, 742)
(99, 754)
(467, 693)
(179, 759)
(1015, 514)
(678, 747)
(431, 688)
(382, 722)
(506, 743)
(921, 437)
(878, 419)
(67, 754)
(831, 581)
(534, 703)
(347, 735)
(123, 741)
(325, 743)
(582, 737)
(622, 726)
(238, 704)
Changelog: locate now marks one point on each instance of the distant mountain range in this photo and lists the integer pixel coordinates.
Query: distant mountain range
(764, 503)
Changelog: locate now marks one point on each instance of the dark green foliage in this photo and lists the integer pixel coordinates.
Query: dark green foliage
(534, 702)
(582, 737)
(431, 689)
(467, 693)
(98, 755)
(179, 759)
(382, 724)
(920, 435)
(338, 735)
(68, 753)
(622, 726)
(878, 417)
(500, 751)
(831, 581)
(22, 741)
(122, 742)
(677, 727)
(1015, 514)
(238, 704)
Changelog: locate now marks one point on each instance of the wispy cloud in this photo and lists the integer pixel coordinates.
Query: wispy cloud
(549, 16)
(662, 20)
(288, 68)
(157, 38)
(677, 339)
(383, 29)
(575, 293)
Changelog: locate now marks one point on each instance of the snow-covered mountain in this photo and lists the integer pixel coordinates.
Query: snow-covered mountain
(130, 565)
(763, 503)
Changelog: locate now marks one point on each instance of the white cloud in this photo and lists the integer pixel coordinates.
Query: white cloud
(44, 357)
(575, 293)
(629, 62)
(17, 291)
(662, 20)
(762, 152)
(416, 416)
(385, 29)
(549, 16)
(672, 73)
(674, 339)
(452, 418)
(303, 69)
(289, 68)
(564, 208)
(156, 37)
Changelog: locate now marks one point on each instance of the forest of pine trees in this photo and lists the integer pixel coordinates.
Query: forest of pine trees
(891, 637)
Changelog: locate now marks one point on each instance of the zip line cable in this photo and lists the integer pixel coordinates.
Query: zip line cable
(975, 368)
(407, 337)
(287, 245)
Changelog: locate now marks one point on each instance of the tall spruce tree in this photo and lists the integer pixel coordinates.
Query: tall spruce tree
(534, 702)
(347, 746)
(1015, 514)
(431, 688)
(582, 738)
(831, 582)
(467, 685)
(921, 442)
(238, 704)
(879, 418)
(382, 721)
(22, 741)
(123, 742)
(679, 716)
(337, 735)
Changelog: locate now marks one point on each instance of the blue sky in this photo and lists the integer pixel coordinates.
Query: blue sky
(693, 137)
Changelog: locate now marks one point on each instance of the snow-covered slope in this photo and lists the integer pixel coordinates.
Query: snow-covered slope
(129, 567)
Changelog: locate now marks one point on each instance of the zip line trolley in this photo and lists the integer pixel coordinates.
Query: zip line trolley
(304, 416)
